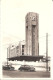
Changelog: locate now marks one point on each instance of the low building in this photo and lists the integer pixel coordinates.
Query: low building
(16, 50)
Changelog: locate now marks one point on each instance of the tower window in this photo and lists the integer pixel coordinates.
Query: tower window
(26, 26)
(33, 18)
(33, 26)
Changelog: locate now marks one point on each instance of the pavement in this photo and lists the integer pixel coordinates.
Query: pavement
(25, 74)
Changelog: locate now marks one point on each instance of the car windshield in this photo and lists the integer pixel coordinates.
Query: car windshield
(7, 65)
(25, 66)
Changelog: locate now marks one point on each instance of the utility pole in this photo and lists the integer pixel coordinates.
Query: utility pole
(47, 52)
(7, 56)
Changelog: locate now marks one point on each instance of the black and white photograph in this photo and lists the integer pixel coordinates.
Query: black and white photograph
(26, 39)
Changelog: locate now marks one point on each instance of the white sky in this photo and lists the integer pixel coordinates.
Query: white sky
(13, 14)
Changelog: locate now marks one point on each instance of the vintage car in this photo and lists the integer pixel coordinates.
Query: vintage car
(8, 67)
(26, 68)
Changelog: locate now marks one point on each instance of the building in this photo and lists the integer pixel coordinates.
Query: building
(28, 50)
(32, 41)
(22, 48)
(16, 50)
(12, 51)
(29, 47)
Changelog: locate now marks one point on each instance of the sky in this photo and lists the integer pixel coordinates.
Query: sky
(13, 14)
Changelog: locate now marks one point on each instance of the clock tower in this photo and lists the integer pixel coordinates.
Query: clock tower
(32, 41)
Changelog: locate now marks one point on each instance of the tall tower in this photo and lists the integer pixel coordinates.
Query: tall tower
(32, 41)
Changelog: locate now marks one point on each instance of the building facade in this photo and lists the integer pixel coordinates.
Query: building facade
(22, 48)
(16, 50)
(32, 41)
(12, 51)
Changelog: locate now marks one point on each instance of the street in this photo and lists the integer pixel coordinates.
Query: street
(25, 74)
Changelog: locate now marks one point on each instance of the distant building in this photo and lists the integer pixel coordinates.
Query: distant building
(32, 37)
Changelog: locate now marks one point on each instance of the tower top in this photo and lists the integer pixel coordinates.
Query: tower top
(31, 14)
(31, 18)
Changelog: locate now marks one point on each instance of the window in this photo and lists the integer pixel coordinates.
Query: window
(22, 46)
(22, 50)
(26, 26)
(33, 18)
(22, 53)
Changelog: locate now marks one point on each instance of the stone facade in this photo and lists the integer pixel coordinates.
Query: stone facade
(32, 41)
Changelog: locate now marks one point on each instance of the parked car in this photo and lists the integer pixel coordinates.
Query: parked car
(8, 67)
(26, 68)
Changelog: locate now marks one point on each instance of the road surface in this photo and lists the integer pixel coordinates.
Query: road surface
(25, 74)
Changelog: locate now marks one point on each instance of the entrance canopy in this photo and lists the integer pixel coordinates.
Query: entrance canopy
(26, 58)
